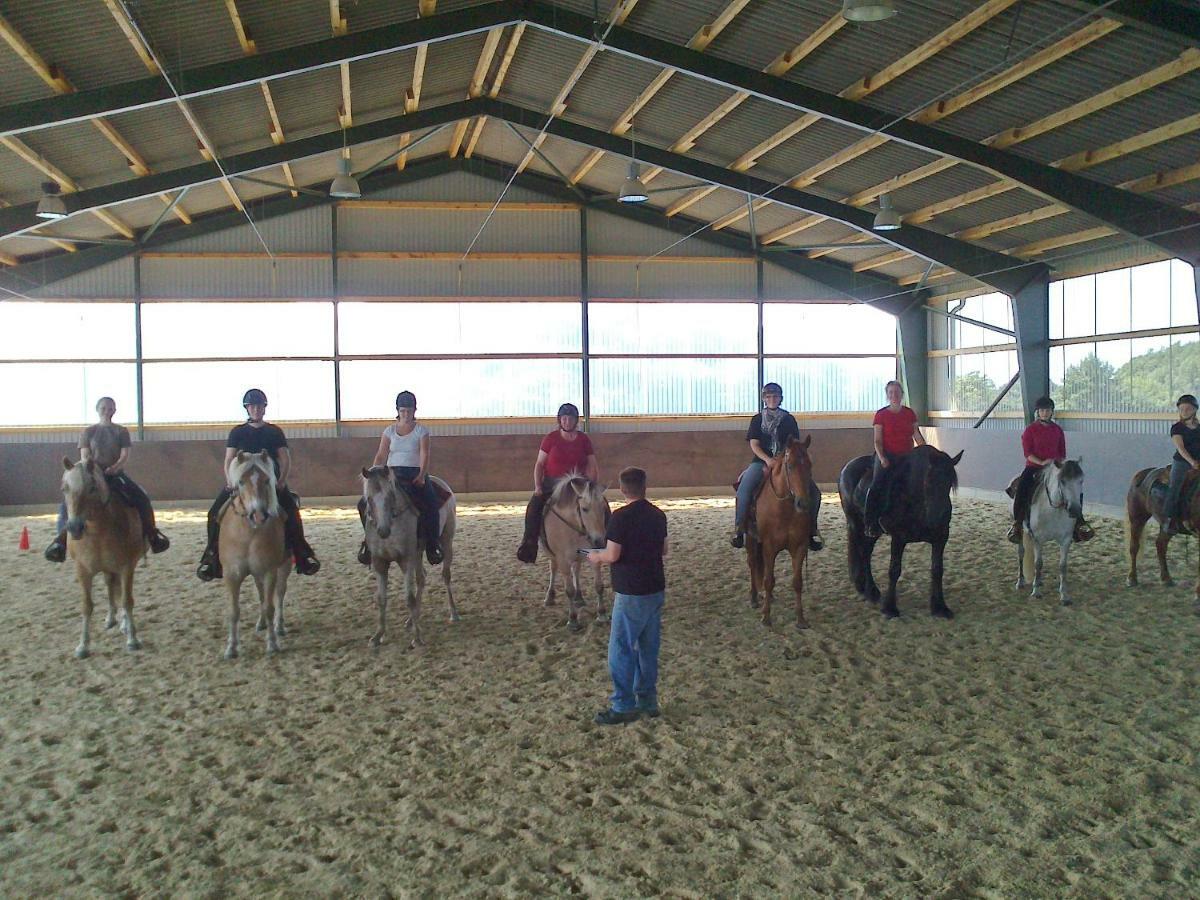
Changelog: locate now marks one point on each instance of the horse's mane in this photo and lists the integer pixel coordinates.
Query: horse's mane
(925, 456)
(1071, 469)
(566, 482)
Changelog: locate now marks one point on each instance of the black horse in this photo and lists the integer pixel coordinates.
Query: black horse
(917, 511)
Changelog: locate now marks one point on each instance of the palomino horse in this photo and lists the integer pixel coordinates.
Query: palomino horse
(576, 518)
(103, 536)
(1144, 500)
(252, 544)
(919, 512)
(1056, 505)
(783, 521)
(393, 536)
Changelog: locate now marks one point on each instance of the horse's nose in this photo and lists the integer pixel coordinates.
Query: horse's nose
(383, 530)
(1076, 511)
(75, 528)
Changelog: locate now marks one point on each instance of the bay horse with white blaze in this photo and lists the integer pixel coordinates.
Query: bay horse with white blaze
(783, 521)
(576, 518)
(918, 511)
(1145, 501)
(104, 536)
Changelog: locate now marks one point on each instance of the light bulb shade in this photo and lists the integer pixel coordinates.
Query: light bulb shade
(51, 206)
(633, 191)
(867, 10)
(344, 186)
(887, 219)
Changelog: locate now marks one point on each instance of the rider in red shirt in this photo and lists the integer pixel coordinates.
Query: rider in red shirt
(896, 433)
(1042, 442)
(563, 452)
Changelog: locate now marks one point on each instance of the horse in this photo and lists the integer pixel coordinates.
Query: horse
(251, 543)
(919, 511)
(783, 521)
(1145, 500)
(393, 535)
(576, 518)
(104, 536)
(1055, 507)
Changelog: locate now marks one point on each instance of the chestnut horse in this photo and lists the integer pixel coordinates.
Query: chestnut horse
(783, 521)
(1143, 502)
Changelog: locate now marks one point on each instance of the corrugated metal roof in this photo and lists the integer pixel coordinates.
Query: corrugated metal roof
(540, 67)
(611, 83)
(307, 104)
(186, 33)
(18, 83)
(81, 152)
(160, 134)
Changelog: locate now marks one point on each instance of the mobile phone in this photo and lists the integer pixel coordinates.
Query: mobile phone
(583, 552)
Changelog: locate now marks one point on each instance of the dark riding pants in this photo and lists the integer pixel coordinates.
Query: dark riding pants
(881, 480)
(424, 498)
(748, 485)
(293, 528)
(1179, 470)
(1023, 497)
(535, 511)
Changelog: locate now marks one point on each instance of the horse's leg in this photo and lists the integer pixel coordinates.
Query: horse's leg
(126, 584)
(754, 561)
(414, 586)
(1064, 547)
(574, 594)
(937, 566)
(233, 584)
(111, 587)
(549, 601)
(889, 608)
(601, 610)
(447, 558)
(381, 597)
(1036, 587)
(281, 583)
(85, 641)
(798, 557)
(1160, 547)
(1136, 520)
(769, 552)
(1021, 547)
(871, 592)
(269, 581)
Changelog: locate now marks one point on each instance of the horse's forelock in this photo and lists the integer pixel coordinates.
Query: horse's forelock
(1071, 470)
(574, 481)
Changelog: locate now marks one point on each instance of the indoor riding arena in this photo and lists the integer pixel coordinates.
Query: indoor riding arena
(324, 251)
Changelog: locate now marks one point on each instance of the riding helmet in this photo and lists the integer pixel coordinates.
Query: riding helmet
(568, 409)
(406, 400)
(772, 388)
(254, 395)
(1044, 403)
(1187, 398)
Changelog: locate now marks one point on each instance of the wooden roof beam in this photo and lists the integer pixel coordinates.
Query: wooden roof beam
(476, 86)
(239, 28)
(337, 21)
(130, 35)
(510, 51)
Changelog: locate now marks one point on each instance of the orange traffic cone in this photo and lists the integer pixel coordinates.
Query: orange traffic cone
(24, 542)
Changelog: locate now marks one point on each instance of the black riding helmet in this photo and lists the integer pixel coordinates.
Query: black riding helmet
(1187, 398)
(1044, 403)
(254, 395)
(568, 409)
(406, 400)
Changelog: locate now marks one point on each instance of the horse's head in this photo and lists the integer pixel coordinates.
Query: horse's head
(83, 483)
(381, 498)
(253, 479)
(1064, 485)
(797, 471)
(938, 479)
(590, 506)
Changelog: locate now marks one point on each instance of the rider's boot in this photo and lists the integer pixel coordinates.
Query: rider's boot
(1014, 533)
(210, 565)
(364, 553)
(57, 551)
(815, 541)
(158, 541)
(306, 561)
(738, 540)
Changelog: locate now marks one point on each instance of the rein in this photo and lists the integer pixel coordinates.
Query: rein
(581, 531)
(787, 480)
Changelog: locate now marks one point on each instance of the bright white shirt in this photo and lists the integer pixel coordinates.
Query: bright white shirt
(405, 449)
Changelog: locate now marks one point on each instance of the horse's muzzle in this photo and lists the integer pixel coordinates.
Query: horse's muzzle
(1075, 511)
(384, 531)
(75, 528)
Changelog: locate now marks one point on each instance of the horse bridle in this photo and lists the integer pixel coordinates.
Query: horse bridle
(581, 530)
(787, 479)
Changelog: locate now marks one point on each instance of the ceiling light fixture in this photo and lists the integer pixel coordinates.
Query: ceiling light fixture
(632, 189)
(867, 10)
(345, 186)
(887, 219)
(51, 205)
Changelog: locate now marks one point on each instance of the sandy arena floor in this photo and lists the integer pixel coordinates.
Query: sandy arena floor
(1021, 750)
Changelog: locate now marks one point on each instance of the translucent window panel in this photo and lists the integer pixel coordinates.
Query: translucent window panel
(1079, 306)
(1185, 365)
(1151, 295)
(827, 328)
(673, 327)
(1183, 294)
(1113, 307)
(212, 392)
(66, 393)
(67, 330)
(172, 330)
(647, 387)
(1149, 374)
(977, 378)
(832, 385)
(459, 328)
(1091, 383)
(476, 388)
(1056, 309)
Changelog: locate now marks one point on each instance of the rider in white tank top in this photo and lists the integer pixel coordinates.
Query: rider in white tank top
(405, 449)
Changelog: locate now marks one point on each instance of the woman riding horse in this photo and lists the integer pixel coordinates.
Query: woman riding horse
(563, 451)
(109, 445)
(1044, 442)
(896, 433)
(1185, 435)
(768, 437)
(404, 446)
(254, 436)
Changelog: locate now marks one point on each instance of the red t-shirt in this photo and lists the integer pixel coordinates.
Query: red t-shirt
(897, 429)
(1045, 441)
(565, 457)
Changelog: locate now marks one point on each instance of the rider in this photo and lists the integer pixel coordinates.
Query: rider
(1043, 442)
(404, 446)
(109, 445)
(563, 451)
(1185, 434)
(254, 436)
(768, 436)
(896, 433)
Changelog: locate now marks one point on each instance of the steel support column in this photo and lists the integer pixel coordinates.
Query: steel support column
(336, 291)
(1031, 313)
(585, 344)
(912, 326)
(137, 344)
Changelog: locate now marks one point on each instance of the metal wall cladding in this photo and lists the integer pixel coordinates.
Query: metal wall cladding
(610, 234)
(436, 230)
(188, 279)
(113, 281)
(304, 230)
(458, 186)
(784, 284)
(476, 278)
(673, 280)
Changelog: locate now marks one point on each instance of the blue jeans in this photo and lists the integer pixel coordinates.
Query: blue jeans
(633, 650)
(1179, 470)
(751, 479)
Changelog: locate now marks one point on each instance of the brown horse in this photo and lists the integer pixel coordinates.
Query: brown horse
(783, 521)
(104, 535)
(1143, 502)
(576, 518)
(251, 544)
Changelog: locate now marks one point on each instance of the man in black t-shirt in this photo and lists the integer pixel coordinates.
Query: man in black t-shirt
(254, 436)
(768, 436)
(637, 543)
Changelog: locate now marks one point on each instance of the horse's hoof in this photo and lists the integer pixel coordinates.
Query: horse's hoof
(1168, 582)
(82, 653)
(549, 602)
(281, 631)
(942, 613)
(374, 641)
(133, 645)
(766, 621)
(891, 613)
(802, 625)
(273, 649)
(575, 626)
(1020, 585)
(260, 626)
(110, 624)
(602, 618)
(1066, 601)
(231, 654)
(1131, 582)
(455, 617)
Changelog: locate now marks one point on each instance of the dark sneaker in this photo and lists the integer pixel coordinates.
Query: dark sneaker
(158, 541)
(1014, 534)
(738, 541)
(527, 552)
(816, 542)
(56, 552)
(612, 717)
(433, 553)
(308, 565)
(210, 567)
(650, 712)
(364, 554)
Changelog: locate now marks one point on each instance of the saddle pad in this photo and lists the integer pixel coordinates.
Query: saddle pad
(442, 494)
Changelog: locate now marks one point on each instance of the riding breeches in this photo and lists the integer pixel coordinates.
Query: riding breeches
(536, 511)
(748, 486)
(132, 493)
(1179, 470)
(424, 498)
(881, 479)
(1023, 496)
(293, 528)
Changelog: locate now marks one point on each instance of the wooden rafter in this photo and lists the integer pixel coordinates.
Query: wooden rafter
(412, 97)
(476, 87)
(131, 36)
(510, 51)
(8, 259)
(337, 21)
(787, 60)
(239, 28)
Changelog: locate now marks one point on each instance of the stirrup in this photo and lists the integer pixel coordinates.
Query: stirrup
(158, 541)
(307, 565)
(433, 553)
(364, 553)
(815, 542)
(56, 552)
(1014, 533)
(1083, 532)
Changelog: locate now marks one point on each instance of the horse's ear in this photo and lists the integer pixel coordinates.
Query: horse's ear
(67, 464)
(1058, 463)
(264, 455)
(808, 442)
(954, 459)
(366, 472)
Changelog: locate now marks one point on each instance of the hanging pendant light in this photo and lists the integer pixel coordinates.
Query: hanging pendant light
(867, 10)
(632, 189)
(51, 205)
(344, 186)
(887, 219)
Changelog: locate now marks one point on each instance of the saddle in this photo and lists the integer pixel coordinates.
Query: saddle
(751, 520)
(441, 494)
(1157, 482)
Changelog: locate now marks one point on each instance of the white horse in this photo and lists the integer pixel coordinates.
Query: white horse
(575, 518)
(1056, 505)
(393, 535)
